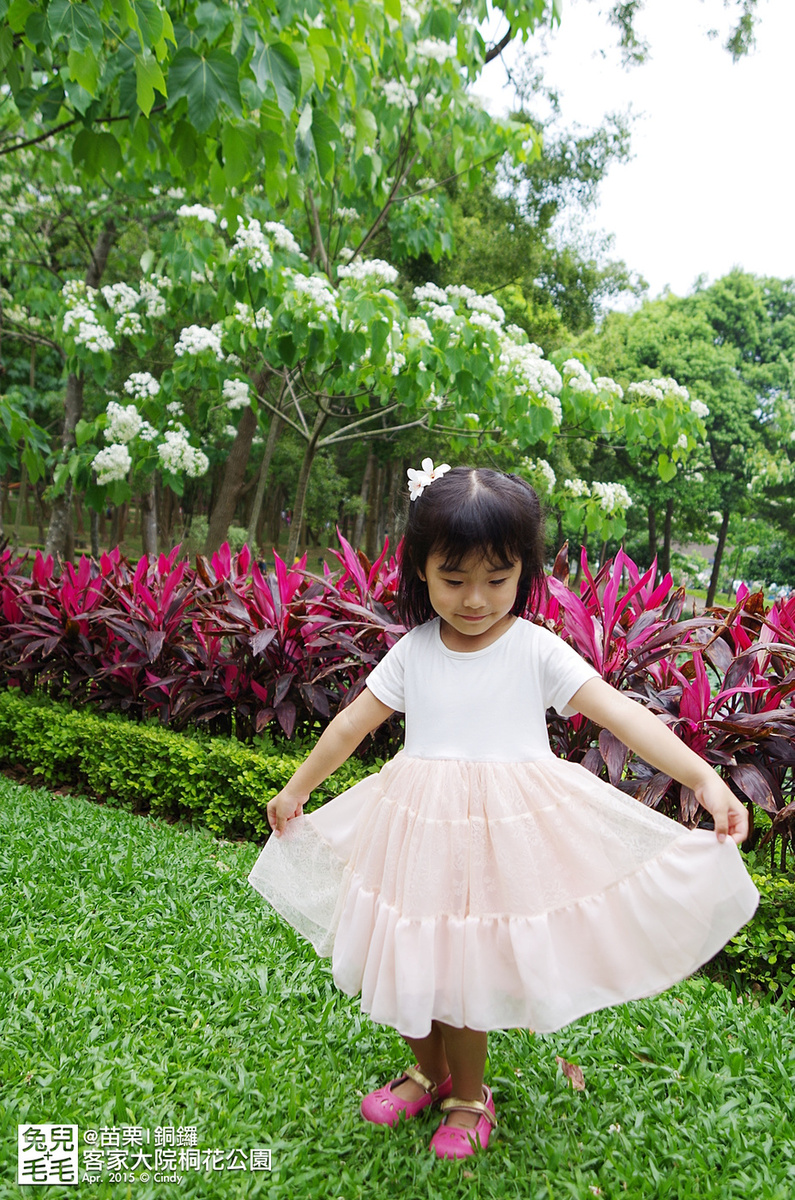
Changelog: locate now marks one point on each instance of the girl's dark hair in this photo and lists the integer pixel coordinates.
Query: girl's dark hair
(472, 509)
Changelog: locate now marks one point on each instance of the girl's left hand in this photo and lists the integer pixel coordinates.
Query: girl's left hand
(730, 815)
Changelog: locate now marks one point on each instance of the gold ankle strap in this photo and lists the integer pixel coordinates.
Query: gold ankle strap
(423, 1080)
(469, 1106)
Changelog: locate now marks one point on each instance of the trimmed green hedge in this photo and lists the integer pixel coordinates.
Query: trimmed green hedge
(215, 781)
(226, 786)
(762, 955)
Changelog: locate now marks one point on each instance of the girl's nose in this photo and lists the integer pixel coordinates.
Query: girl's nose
(473, 600)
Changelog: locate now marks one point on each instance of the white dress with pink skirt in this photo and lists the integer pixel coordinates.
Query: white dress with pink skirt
(479, 880)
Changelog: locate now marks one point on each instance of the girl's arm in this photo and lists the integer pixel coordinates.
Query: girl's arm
(336, 744)
(656, 744)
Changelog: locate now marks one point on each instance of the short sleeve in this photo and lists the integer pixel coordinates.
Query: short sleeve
(564, 673)
(387, 679)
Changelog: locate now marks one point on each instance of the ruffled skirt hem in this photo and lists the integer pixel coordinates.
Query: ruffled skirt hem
(554, 895)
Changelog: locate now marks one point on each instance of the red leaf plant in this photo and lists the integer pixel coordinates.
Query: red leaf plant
(234, 647)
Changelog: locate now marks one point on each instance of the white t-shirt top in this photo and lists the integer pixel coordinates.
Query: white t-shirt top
(481, 705)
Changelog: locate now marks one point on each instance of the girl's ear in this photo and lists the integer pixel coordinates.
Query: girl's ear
(421, 576)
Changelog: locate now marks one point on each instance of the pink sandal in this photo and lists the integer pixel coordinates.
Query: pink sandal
(449, 1141)
(383, 1107)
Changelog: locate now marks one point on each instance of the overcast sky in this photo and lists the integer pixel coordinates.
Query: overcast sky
(712, 181)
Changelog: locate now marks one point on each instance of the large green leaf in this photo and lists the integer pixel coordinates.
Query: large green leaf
(96, 152)
(238, 142)
(148, 76)
(78, 23)
(150, 21)
(83, 67)
(205, 81)
(18, 13)
(278, 65)
(324, 132)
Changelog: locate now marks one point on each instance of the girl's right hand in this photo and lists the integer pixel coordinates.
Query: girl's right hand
(283, 807)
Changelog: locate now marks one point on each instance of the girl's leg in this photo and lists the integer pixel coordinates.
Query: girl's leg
(430, 1054)
(450, 1050)
(466, 1053)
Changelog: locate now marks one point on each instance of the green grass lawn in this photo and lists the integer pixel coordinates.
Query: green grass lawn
(143, 982)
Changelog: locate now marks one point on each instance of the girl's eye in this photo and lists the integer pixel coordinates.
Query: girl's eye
(497, 582)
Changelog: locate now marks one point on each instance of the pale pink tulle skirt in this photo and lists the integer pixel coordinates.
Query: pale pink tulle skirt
(499, 895)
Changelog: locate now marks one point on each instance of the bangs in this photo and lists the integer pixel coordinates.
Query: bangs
(471, 511)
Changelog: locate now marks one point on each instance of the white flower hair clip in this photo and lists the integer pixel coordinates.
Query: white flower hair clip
(419, 480)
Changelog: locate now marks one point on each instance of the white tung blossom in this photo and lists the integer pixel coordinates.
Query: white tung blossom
(80, 312)
(541, 467)
(141, 385)
(577, 487)
(112, 464)
(681, 441)
(177, 454)
(399, 94)
(261, 319)
(150, 292)
(435, 49)
(612, 497)
(577, 377)
(195, 339)
(94, 337)
(669, 387)
(533, 374)
(120, 297)
(251, 246)
(314, 291)
(658, 389)
(605, 384)
(124, 423)
(236, 393)
(417, 328)
(645, 389)
(373, 270)
(429, 292)
(282, 238)
(487, 305)
(199, 211)
(699, 409)
(129, 324)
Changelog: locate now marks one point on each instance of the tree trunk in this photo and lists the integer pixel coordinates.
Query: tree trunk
(713, 583)
(364, 497)
(149, 520)
(114, 526)
(370, 538)
(396, 504)
(299, 503)
(223, 511)
(37, 492)
(59, 534)
(275, 429)
(21, 500)
(94, 519)
(652, 533)
(165, 507)
(665, 558)
(3, 494)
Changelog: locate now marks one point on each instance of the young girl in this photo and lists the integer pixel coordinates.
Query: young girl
(478, 882)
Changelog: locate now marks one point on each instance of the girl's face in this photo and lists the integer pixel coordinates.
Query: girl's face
(474, 599)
